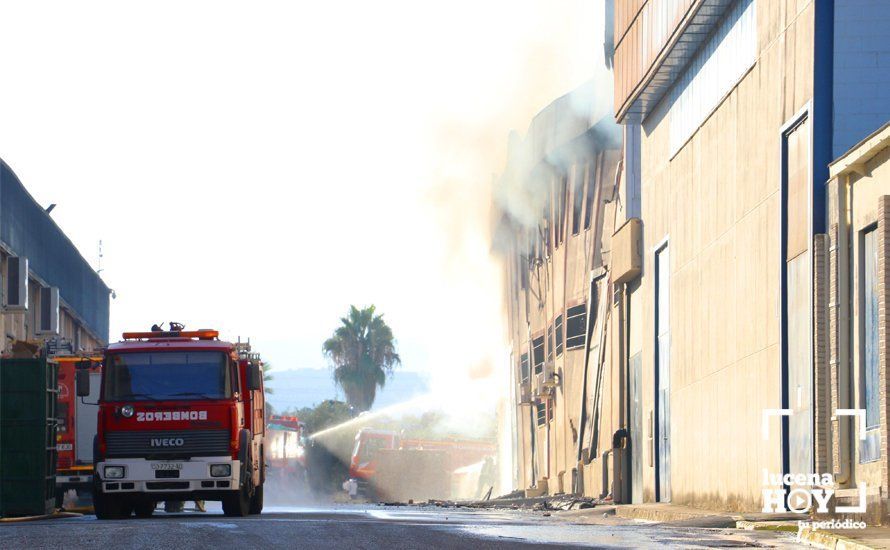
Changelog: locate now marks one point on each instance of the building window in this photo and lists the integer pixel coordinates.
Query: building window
(577, 198)
(538, 354)
(868, 317)
(550, 343)
(590, 175)
(522, 269)
(561, 191)
(576, 326)
(523, 367)
(547, 230)
(713, 72)
(541, 410)
(557, 333)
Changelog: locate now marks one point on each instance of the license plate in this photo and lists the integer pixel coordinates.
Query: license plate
(166, 466)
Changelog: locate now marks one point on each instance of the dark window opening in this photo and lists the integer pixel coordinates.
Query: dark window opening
(557, 332)
(548, 225)
(523, 367)
(550, 343)
(541, 409)
(563, 203)
(576, 326)
(577, 197)
(590, 173)
(538, 354)
(522, 268)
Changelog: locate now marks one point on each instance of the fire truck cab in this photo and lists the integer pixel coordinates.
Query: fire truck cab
(181, 417)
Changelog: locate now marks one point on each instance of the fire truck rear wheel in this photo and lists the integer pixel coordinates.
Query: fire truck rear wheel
(256, 501)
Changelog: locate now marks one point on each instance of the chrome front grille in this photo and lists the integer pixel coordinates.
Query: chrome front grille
(167, 443)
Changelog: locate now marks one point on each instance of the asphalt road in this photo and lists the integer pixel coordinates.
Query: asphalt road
(355, 527)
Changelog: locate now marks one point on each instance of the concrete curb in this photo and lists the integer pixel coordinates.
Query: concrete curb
(787, 526)
(661, 515)
(832, 541)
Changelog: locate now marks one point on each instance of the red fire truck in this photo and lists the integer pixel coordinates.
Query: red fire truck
(285, 449)
(373, 447)
(181, 417)
(76, 425)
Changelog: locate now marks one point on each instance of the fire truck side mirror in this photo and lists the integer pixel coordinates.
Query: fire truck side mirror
(254, 377)
(82, 381)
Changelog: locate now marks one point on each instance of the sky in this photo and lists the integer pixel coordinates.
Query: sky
(258, 166)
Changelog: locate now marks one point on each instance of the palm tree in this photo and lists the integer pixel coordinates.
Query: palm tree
(267, 377)
(362, 352)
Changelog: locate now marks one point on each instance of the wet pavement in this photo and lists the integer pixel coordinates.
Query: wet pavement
(370, 526)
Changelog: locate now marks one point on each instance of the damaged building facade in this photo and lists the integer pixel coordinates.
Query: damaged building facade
(735, 264)
(557, 201)
(49, 291)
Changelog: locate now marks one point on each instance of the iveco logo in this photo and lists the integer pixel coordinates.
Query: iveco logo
(167, 442)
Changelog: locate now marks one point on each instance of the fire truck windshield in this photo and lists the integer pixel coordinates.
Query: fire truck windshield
(173, 375)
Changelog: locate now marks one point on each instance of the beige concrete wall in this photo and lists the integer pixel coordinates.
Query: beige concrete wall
(717, 204)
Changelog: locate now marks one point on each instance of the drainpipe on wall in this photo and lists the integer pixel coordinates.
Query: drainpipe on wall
(533, 425)
(843, 331)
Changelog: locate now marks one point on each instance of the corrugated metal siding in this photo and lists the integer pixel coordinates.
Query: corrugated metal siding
(27, 230)
(625, 13)
(861, 71)
(713, 72)
(644, 38)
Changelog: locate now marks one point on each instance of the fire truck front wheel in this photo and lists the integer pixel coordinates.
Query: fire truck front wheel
(237, 503)
(111, 507)
(145, 508)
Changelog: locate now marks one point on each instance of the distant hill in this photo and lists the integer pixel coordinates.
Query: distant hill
(307, 387)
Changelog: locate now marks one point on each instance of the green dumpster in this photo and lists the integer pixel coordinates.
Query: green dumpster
(28, 391)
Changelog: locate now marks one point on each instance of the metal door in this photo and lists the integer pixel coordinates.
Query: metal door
(663, 374)
(800, 367)
(636, 427)
(86, 412)
(797, 326)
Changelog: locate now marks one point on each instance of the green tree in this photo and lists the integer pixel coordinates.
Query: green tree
(362, 352)
(324, 415)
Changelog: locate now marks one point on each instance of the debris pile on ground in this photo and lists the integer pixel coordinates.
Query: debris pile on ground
(554, 503)
(566, 502)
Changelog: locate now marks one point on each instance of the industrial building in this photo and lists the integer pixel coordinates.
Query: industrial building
(733, 111)
(742, 255)
(49, 291)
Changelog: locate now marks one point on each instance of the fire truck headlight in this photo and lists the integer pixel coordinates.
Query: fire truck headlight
(114, 472)
(127, 411)
(220, 470)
